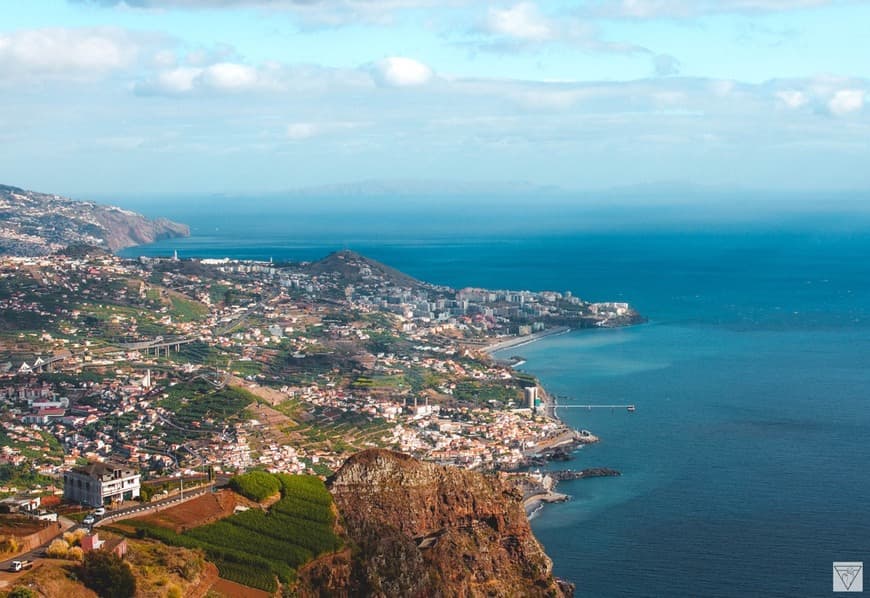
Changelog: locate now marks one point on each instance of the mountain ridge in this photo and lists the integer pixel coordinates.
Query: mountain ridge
(35, 224)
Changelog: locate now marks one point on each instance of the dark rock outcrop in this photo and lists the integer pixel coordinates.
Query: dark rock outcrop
(420, 529)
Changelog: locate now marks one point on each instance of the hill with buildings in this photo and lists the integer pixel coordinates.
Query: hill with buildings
(34, 224)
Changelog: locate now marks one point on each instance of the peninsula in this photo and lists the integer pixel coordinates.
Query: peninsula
(34, 223)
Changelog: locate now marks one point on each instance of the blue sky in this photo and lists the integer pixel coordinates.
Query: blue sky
(260, 95)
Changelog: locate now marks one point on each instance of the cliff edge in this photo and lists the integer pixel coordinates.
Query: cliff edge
(420, 529)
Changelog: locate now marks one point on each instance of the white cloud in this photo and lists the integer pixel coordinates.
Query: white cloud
(63, 53)
(524, 26)
(398, 71)
(793, 98)
(314, 12)
(523, 21)
(824, 94)
(648, 9)
(846, 101)
(228, 76)
(177, 80)
(301, 131)
(222, 77)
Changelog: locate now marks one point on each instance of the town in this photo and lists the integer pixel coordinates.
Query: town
(216, 366)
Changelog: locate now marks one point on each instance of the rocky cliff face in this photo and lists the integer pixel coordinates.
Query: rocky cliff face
(420, 529)
(34, 223)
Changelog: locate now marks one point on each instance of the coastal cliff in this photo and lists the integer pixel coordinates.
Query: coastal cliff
(420, 529)
(33, 224)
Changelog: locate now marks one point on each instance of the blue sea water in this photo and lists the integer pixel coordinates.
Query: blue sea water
(745, 466)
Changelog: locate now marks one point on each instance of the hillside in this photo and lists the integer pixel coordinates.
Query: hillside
(34, 223)
(403, 528)
(349, 267)
(425, 530)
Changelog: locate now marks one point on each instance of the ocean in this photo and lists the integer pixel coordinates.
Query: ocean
(745, 465)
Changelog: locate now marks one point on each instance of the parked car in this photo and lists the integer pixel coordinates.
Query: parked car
(89, 520)
(100, 511)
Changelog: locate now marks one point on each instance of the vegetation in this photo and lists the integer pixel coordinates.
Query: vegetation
(58, 549)
(21, 592)
(9, 544)
(107, 575)
(477, 392)
(256, 485)
(255, 547)
(22, 476)
(187, 310)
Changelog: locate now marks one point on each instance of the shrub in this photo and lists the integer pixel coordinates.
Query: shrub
(107, 575)
(145, 493)
(21, 592)
(9, 544)
(256, 485)
(74, 538)
(75, 554)
(58, 549)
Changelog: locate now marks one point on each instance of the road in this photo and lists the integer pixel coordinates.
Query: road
(7, 577)
(136, 510)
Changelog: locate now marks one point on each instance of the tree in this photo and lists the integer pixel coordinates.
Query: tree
(57, 549)
(21, 592)
(9, 544)
(145, 493)
(107, 575)
(75, 553)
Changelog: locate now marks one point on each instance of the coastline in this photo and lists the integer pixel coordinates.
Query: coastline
(555, 448)
(533, 504)
(519, 341)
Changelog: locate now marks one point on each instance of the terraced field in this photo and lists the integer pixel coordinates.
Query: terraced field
(259, 548)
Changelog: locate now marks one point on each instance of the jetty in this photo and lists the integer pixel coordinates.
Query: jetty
(572, 406)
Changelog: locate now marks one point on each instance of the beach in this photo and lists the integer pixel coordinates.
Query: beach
(519, 341)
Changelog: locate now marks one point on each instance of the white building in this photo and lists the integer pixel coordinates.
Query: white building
(96, 483)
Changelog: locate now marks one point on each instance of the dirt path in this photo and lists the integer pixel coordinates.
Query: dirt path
(209, 578)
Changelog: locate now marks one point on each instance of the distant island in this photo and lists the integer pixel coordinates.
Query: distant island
(33, 224)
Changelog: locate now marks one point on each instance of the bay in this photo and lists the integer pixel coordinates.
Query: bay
(744, 466)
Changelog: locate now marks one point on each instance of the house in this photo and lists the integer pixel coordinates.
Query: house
(19, 504)
(118, 546)
(43, 416)
(96, 483)
(91, 542)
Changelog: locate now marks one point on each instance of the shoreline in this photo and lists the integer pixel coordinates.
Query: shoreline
(519, 341)
(535, 503)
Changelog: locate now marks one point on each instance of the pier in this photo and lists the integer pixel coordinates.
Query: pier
(572, 406)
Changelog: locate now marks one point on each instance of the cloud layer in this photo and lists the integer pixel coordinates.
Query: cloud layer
(65, 53)
(559, 93)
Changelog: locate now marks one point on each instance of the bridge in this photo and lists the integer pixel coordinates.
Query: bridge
(157, 344)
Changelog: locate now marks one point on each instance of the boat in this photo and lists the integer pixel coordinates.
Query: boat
(631, 408)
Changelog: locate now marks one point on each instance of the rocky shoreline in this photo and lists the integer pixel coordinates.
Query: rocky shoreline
(544, 492)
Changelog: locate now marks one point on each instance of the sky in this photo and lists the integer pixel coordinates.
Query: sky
(231, 96)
